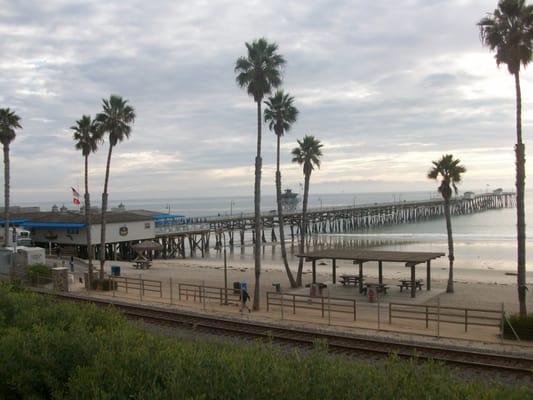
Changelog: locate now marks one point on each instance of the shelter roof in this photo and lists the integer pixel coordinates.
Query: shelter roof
(414, 257)
(71, 217)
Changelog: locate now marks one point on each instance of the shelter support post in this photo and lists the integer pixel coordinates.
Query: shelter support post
(380, 268)
(360, 276)
(413, 280)
(314, 270)
(428, 276)
(334, 268)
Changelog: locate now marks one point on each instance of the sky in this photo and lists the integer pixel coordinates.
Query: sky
(386, 86)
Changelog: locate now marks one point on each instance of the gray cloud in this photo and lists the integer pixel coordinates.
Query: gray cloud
(387, 87)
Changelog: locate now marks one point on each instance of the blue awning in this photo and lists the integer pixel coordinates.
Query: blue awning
(163, 217)
(15, 221)
(51, 225)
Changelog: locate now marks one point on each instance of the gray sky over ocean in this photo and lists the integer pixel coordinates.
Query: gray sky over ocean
(387, 86)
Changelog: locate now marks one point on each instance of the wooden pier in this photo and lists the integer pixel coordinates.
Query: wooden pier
(194, 239)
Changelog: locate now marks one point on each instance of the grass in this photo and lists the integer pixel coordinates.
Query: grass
(60, 350)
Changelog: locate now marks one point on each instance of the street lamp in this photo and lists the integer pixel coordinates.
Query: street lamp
(223, 233)
(231, 204)
(320, 200)
(354, 198)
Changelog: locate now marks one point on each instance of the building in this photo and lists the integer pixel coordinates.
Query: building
(67, 230)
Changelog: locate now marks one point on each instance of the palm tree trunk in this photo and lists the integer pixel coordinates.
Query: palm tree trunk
(88, 222)
(449, 287)
(104, 209)
(257, 207)
(303, 230)
(6, 195)
(520, 205)
(280, 218)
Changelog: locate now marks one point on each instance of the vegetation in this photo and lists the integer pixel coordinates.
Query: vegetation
(449, 170)
(259, 72)
(60, 350)
(116, 120)
(509, 32)
(308, 154)
(522, 326)
(9, 123)
(280, 115)
(36, 270)
(87, 137)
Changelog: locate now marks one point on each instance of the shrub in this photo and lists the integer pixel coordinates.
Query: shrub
(523, 326)
(62, 350)
(39, 272)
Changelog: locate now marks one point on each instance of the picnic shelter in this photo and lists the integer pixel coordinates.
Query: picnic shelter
(410, 258)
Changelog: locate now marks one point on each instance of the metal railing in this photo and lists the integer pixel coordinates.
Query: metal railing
(446, 315)
(326, 305)
(202, 294)
(137, 285)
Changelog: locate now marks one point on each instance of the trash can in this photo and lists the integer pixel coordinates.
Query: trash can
(277, 286)
(236, 288)
(115, 270)
(372, 294)
(321, 287)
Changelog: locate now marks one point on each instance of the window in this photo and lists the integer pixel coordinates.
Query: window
(147, 225)
(73, 231)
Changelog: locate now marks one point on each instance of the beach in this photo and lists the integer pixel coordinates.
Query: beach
(491, 293)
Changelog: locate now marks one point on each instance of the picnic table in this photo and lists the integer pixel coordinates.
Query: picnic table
(349, 280)
(380, 287)
(406, 283)
(142, 264)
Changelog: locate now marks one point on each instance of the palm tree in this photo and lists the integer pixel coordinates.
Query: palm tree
(280, 114)
(9, 122)
(450, 172)
(116, 120)
(87, 137)
(308, 154)
(259, 72)
(509, 31)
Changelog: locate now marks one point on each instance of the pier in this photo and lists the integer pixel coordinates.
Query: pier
(197, 237)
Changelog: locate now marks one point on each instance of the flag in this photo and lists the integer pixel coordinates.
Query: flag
(75, 197)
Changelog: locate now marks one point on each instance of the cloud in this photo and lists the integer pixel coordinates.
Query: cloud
(386, 86)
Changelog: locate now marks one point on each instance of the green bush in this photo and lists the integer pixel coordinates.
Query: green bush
(62, 350)
(38, 272)
(103, 284)
(522, 326)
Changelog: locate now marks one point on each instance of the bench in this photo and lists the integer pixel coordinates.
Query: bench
(407, 285)
(381, 289)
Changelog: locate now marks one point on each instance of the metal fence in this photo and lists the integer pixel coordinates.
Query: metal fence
(137, 285)
(323, 304)
(446, 315)
(201, 294)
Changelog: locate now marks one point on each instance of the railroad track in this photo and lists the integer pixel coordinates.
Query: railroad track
(304, 337)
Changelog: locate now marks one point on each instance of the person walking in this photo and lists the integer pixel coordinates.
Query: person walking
(244, 299)
(71, 263)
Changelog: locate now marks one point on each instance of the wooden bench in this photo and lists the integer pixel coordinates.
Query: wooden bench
(407, 284)
(347, 280)
(381, 289)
